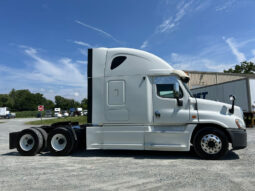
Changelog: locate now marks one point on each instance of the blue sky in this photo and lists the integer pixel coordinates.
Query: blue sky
(43, 44)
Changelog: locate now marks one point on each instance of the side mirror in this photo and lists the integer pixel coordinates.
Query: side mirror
(232, 98)
(177, 97)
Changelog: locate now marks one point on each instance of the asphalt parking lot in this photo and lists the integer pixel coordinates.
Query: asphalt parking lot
(123, 170)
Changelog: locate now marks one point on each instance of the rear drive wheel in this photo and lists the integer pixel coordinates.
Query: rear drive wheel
(45, 137)
(29, 142)
(210, 143)
(60, 141)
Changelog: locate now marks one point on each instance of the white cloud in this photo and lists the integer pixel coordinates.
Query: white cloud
(172, 21)
(218, 67)
(166, 25)
(81, 62)
(70, 93)
(188, 62)
(82, 43)
(245, 42)
(97, 30)
(225, 6)
(76, 94)
(83, 51)
(62, 77)
(253, 58)
(233, 46)
(144, 45)
(202, 5)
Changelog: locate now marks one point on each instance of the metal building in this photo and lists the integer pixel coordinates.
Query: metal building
(200, 79)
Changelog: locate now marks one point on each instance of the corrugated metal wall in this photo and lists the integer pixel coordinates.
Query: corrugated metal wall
(199, 79)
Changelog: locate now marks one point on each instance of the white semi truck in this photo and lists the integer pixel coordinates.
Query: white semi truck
(4, 112)
(137, 101)
(242, 89)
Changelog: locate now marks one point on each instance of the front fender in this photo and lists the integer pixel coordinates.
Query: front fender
(213, 122)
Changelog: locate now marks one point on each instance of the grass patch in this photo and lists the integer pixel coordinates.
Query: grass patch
(1, 122)
(80, 119)
(26, 114)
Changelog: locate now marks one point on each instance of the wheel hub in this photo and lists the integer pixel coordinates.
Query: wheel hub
(26, 142)
(211, 144)
(58, 142)
(61, 141)
(30, 141)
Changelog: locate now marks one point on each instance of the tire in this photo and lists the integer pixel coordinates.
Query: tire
(210, 143)
(29, 142)
(60, 141)
(45, 137)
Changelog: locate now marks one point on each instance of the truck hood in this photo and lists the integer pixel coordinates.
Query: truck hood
(218, 112)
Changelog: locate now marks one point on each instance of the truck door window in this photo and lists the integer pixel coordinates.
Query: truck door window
(167, 87)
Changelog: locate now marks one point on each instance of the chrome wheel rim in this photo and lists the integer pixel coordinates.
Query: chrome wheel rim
(211, 144)
(27, 142)
(58, 142)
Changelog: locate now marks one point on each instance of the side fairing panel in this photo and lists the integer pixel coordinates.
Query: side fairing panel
(94, 138)
(168, 138)
(123, 137)
(98, 100)
(96, 82)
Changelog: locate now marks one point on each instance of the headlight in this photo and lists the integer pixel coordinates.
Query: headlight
(240, 124)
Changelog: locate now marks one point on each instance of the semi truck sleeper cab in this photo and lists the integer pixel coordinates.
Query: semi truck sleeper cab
(137, 101)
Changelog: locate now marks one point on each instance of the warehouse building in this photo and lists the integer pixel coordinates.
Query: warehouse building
(200, 79)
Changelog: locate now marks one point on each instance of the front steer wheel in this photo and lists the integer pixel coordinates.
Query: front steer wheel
(60, 141)
(210, 143)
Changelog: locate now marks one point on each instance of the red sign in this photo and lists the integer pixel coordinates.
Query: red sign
(40, 107)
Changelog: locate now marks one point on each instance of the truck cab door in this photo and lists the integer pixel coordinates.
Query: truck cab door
(171, 115)
(170, 104)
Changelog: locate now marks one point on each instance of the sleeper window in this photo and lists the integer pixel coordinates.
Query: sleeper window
(117, 61)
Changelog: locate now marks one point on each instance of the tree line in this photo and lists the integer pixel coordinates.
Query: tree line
(244, 68)
(24, 100)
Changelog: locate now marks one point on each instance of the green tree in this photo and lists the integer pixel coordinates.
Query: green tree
(244, 68)
(5, 101)
(65, 103)
(84, 103)
(12, 96)
(49, 105)
(24, 100)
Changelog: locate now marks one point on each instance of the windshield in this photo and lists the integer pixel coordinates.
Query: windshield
(187, 88)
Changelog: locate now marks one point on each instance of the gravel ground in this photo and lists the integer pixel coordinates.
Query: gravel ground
(123, 170)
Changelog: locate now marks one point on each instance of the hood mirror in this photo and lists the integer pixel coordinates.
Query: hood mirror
(232, 98)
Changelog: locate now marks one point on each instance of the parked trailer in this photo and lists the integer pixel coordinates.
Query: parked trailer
(137, 101)
(242, 89)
